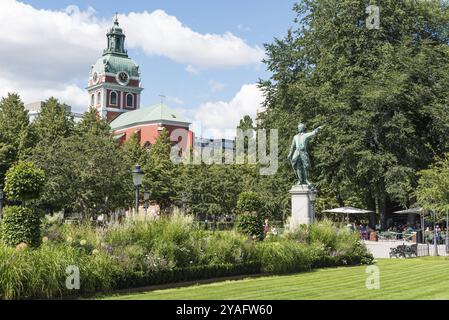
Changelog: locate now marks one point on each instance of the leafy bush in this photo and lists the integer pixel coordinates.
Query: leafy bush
(249, 202)
(20, 225)
(24, 181)
(226, 247)
(284, 256)
(330, 245)
(189, 274)
(251, 224)
(170, 249)
(41, 273)
(172, 239)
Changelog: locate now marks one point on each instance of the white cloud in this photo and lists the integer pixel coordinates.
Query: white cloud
(51, 51)
(219, 119)
(216, 86)
(163, 34)
(191, 69)
(67, 93)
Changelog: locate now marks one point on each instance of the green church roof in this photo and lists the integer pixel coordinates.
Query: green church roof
(115, 58)
(111, 63)
(155, 114)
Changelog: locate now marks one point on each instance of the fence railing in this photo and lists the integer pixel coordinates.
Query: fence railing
(426, 250)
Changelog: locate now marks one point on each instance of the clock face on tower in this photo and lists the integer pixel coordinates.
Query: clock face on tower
(123, 78)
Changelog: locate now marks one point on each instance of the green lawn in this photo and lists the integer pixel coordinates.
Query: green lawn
(424, 278)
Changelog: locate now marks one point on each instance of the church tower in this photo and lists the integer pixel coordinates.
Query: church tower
(114, 80)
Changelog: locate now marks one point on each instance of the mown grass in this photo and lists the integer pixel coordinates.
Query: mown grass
(400, 279)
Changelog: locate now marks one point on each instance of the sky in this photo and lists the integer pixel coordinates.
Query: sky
(205, 56)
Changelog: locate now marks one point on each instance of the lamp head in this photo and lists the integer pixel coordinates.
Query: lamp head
(137, 176)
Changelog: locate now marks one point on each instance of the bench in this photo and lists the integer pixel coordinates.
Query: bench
(404, 251)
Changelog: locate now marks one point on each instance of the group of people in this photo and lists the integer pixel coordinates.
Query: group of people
(363, 229)
(400, 231)
(405, 228)
(438, 233)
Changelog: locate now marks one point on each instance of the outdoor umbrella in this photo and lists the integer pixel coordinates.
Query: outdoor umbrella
(348, 211)
(411, 210)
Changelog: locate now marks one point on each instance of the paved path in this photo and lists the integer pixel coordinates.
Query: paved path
(381, 249)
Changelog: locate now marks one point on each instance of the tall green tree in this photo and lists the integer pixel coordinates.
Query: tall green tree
(379, 94)
(54, 121)
(15, 136)
(161, 172)
(86, 172)
(433, 187)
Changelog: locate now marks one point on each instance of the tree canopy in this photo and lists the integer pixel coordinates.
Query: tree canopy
(380, 94)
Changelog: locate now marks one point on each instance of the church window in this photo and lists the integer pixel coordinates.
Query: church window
(129, 100)
(92, 100)
(113, 98)
(99, 98)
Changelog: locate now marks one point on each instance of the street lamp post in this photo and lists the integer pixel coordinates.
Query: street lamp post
(1, 201)
(146, 198)
(312, 196)
(137, 174)
(435, 244)
(447, 232)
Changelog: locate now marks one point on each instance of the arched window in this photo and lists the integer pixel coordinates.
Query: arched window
(99, 98)
(113, 98)
(92, 100)
(129, 100)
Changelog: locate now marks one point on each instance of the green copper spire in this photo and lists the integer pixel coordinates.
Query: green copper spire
(116, 40)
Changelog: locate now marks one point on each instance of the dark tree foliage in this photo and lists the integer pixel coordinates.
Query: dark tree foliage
(381, 95)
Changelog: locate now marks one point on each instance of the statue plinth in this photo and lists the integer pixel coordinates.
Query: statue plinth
(301, 206)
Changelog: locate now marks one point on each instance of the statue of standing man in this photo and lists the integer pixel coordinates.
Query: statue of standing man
(299, 156)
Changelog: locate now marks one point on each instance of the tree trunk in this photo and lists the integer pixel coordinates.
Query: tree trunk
(371, 204)
(382, 203)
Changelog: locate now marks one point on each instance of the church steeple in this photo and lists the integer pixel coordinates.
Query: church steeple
(116, 40)
(114, 80)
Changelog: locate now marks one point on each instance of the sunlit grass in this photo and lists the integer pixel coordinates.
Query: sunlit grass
(423, 278)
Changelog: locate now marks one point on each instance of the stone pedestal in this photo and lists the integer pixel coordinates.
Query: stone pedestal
(301, 206)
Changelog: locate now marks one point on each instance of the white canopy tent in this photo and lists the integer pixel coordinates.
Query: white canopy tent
(348, 210)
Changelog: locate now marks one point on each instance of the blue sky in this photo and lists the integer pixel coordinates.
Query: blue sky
(191, 87)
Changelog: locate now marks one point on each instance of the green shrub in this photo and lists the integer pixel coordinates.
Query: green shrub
(170, 249)
(249, 202)
(283, 256)
(226, 247)
(41, 273)
(324, 233)
(329, 245)
(24, 181)
(20, 225)
(251, 224)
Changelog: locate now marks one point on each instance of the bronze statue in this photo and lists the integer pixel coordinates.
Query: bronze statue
(299, 156)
